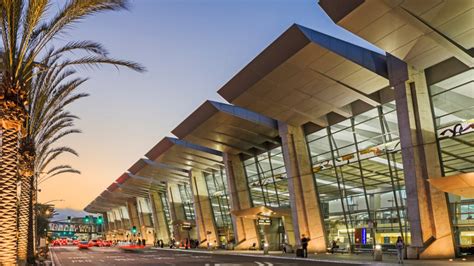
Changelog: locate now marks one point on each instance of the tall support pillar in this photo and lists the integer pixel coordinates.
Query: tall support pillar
(305, 208)
(134, 215)
(159, 218)
(207, 232)
(177, 211)
(427, 207)
(245, 230)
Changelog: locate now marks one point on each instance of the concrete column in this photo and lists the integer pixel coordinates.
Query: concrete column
(305, 208)
(176, 211)
(134, 215)
(207, 231)
(159, 218)
(245, 230)
(427, 208)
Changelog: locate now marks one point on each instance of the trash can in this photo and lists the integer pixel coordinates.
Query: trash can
(378, 253)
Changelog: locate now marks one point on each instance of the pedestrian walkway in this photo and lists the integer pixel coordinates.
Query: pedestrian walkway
(361, 259)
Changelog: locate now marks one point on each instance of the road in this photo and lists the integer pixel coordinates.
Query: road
(70, 255)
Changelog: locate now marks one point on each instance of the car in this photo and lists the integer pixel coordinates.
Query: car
(56, 242)
(106, 243)
(94, 243)
(83, 245)
(75, 242)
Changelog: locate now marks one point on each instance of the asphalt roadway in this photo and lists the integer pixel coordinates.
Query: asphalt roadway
(71, 255)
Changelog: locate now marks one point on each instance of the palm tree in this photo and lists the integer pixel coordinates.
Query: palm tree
(47, 123)
(26, 35)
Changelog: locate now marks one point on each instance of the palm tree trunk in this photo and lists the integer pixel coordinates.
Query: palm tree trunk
(24, 214)
(32, 223)
(8, 195)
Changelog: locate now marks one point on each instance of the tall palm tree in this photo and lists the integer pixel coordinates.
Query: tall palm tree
(47, 123)
(27, 34)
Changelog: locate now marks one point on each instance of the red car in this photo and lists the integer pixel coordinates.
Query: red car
(75, 242)
(95, 243)
(83, 245)
(56, 242)
(106, 243)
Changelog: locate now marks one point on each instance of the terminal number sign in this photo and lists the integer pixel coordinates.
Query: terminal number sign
(264, 221)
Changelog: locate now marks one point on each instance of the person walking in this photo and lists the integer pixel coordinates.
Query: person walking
(304, 245)
(334, 246)
(400, 246)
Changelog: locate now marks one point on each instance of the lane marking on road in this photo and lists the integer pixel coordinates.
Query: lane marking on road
(259, 263)
(269, 263)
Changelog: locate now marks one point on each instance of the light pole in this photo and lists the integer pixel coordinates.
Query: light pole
(49, 201)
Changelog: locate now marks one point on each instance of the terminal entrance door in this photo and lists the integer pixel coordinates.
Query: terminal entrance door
(272, 232)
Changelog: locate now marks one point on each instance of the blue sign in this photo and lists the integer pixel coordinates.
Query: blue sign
(364, 236)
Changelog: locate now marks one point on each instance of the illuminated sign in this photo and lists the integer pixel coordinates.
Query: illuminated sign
(364, 236)
(186, 226)
(264, 221)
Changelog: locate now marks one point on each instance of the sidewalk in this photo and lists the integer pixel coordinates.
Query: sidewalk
(361, 259)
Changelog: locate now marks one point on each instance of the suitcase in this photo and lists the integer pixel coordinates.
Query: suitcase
(299, 253)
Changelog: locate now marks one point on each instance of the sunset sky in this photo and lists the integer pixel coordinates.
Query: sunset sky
(190, 48)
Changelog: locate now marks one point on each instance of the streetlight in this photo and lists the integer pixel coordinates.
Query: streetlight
(60, 200)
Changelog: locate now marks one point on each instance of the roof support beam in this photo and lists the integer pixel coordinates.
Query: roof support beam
(228, 146)
(268, 139)
(458, 50)
(257, 146)
(361, 95)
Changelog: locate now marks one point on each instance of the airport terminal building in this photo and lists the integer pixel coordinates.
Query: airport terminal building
(324, 138)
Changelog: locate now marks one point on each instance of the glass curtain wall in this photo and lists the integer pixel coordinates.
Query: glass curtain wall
(267, 180)
(144, 207)
(187, 199)
(166, 210)
(217, 187)
(125, 218)
(358, 170)
(453, 111)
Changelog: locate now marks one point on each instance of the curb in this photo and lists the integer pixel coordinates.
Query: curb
(268, 256)
(54, 258)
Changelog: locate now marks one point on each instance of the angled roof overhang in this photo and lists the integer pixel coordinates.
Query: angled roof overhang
(460, 184)
(158, 171)
(183, 156)
(307, 77)
(422, 33)
(228, 128)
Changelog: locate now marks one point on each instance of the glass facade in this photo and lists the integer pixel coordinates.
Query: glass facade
(217, 188)
(453, 110)
(267, 180)
(124, 217)
(358, 170)
(187, 200)
(144, 208)
(166, 210)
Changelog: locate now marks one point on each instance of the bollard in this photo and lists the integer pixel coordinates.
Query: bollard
(265, 249)
(378, 253)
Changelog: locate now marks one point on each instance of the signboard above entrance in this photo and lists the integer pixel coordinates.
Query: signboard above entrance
(264, 221)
